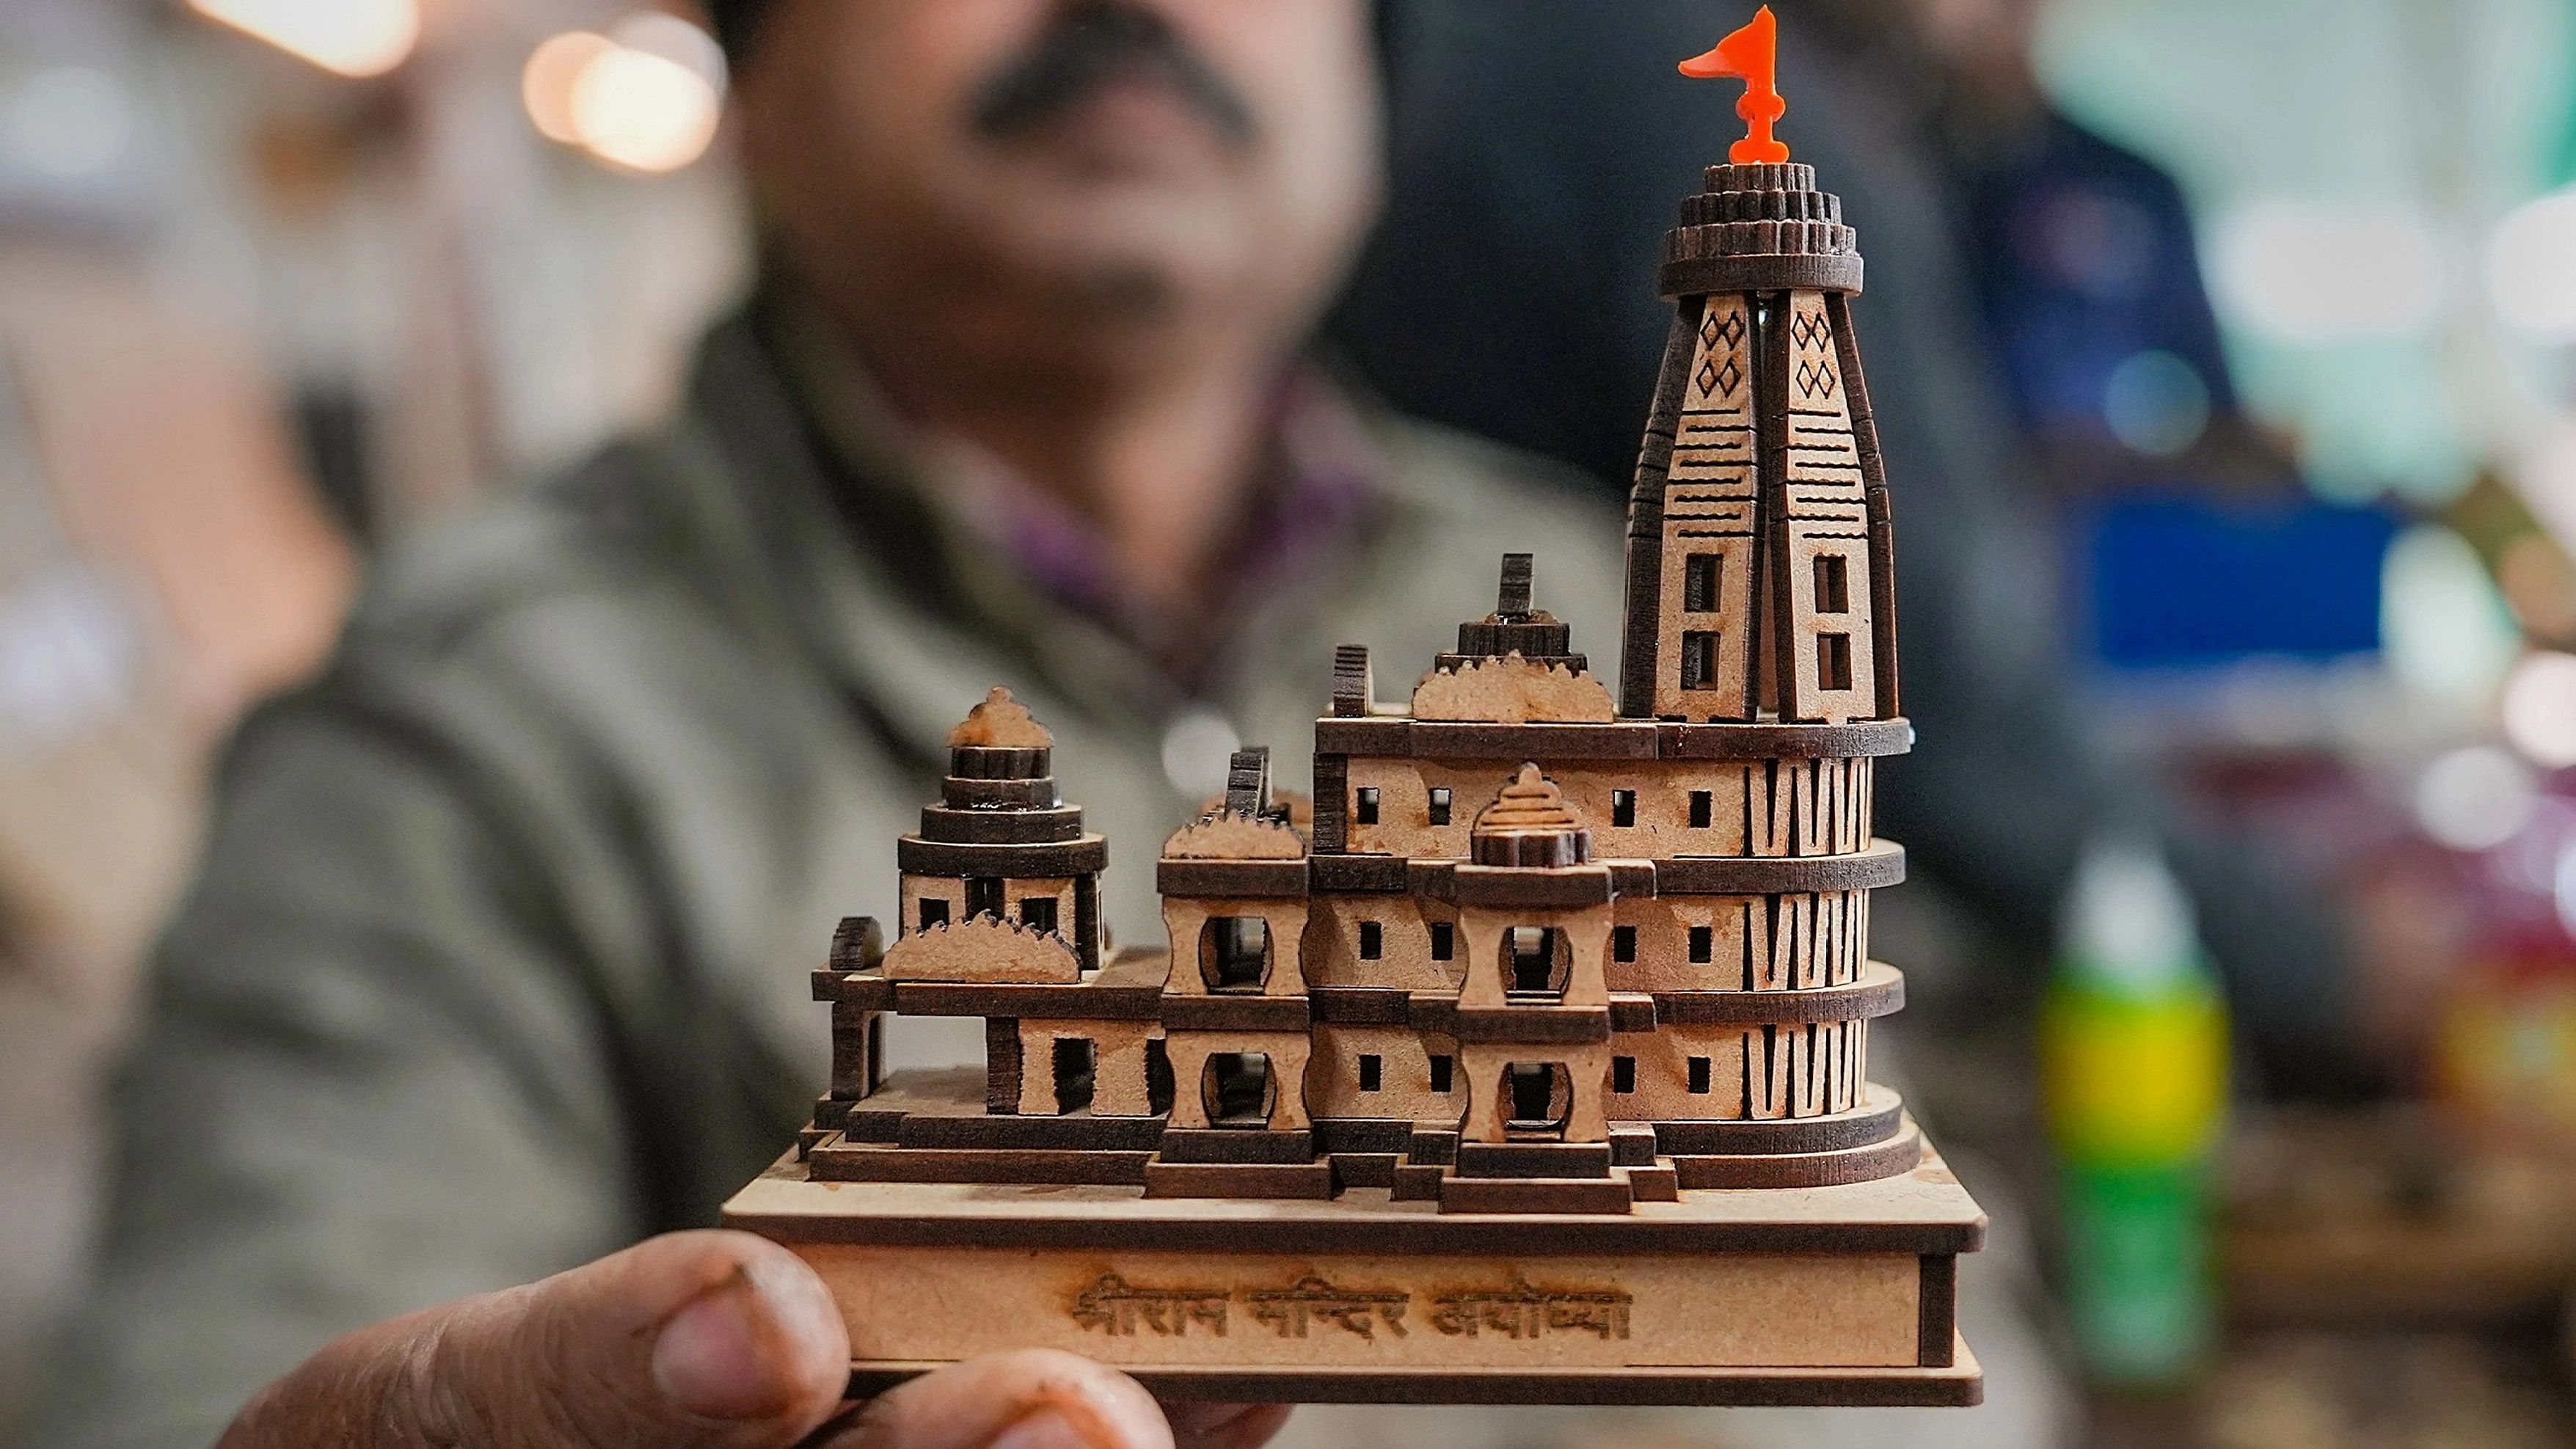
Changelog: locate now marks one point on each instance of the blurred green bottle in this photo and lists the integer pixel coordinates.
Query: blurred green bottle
(2133, 1063)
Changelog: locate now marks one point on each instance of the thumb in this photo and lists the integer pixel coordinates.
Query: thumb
(693, 1341)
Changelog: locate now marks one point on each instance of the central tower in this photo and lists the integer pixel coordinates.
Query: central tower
(1759, 571)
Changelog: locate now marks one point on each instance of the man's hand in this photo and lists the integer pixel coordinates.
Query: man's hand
(695, 1341)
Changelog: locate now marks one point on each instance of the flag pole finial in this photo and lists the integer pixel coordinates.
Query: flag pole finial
(1751, 55)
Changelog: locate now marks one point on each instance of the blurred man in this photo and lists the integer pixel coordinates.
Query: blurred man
(497, 963)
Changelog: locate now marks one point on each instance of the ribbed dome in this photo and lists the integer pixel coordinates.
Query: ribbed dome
(1001, 781)
(1531, 825)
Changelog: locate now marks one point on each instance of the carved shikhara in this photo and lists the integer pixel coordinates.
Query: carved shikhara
(1537, 1068)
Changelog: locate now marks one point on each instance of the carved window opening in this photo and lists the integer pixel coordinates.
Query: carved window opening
(1540, 1096)
(1623, 944)
(1623, 1075)
(983, 896)
(1236, 1089)
(1441, 1069)
(1372, 1072)
(1158, 1076)
(1699, 660)
(1833, 661)
(1833, 584)
(1444, 941)
(1699, 1076)
(1703, 944)
(1365, 811)
(1700, 576)
(1623, 808)
(1440, 806)
(934, 912)
(1234, 953)
(1703, 809)
(876, 1051)
(1075, 1058)
(1372, 940)
(1540, 960)
(1038, 913)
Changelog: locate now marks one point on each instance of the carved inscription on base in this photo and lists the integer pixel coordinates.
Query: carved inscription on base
(1148, 1309)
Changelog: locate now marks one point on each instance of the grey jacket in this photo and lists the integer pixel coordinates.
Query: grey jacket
(498, 960)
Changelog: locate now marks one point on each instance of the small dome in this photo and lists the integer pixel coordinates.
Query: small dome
(1531, 825)
(1000, 723)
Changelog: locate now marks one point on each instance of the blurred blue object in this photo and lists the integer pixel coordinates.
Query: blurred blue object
(2178, 582)
(2086, 267)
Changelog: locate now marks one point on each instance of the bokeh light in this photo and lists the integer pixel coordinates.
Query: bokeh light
(70, 121)
(646, 97)
(2157, 404)
(2531, 268)
(2444, 629)
(2305, 272)
(2475, 799)
(355, 38)
(546, 85)
(2540, 709)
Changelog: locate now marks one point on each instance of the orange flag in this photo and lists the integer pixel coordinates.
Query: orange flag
(1750, 55)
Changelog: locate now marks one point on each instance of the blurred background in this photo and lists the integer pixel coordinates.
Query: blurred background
(281, 281)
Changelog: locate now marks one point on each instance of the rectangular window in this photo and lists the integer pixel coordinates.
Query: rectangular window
(1076, 1069)
(1699, 582)
(1703, 809)
(1699, 660)
(983, 896)
(1833, 661)
(1371, 1071)
(1537, 958)
(1699, 1076)
(1366, 811)
(1440, 807)
(1623, 808)
(1623, 1074)
(933, 913)
(1439, 1073)
(1623, 943)
(1158, 1076)
(1372, 940)
(1703, 944)
(1038, 913)
(1833, 584)
(1444, 940)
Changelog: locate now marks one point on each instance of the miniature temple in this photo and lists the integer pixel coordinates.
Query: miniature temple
(1548, 946)
(1533, 1067)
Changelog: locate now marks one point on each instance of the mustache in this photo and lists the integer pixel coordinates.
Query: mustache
(1092, 47)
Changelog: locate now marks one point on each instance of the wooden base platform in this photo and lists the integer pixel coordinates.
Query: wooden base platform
(1839, 1295)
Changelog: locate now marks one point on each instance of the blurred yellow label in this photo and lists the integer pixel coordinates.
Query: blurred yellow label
(2133, 1082)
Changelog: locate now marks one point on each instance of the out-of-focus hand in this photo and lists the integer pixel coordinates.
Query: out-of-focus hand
(694, 1341)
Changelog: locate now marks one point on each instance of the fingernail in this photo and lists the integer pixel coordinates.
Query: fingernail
(708, 1361)
(1045, 1429)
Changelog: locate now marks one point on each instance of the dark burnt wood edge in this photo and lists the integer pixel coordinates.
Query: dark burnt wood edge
(1898, 1388)
(1547, 1235)
(1937, 1339)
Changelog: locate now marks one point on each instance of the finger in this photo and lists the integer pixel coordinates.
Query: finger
(1037, 1399)
(694, 1341)
(1226, 1426)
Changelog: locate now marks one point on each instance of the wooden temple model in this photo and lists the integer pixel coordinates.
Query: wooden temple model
(1537, 1068)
